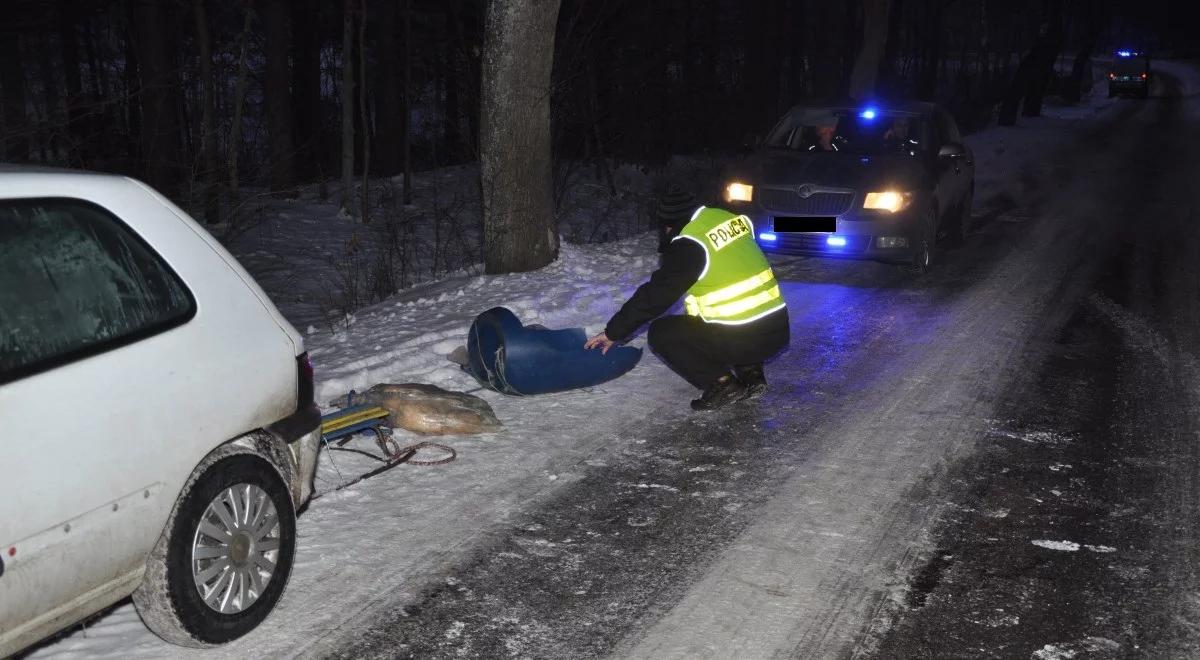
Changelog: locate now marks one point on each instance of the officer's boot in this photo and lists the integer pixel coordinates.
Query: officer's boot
(753, 378)
(723, 391)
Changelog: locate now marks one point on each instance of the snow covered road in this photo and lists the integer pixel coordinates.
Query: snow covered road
(614, 522)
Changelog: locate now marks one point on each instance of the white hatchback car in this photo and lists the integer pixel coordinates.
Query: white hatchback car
(159, 429)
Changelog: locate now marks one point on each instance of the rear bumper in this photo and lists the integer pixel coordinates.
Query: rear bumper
(1124, 86)
(301, 432)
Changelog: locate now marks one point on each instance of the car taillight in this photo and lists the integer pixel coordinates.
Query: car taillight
(1143, 76)
(1111, 75)
(304, 371)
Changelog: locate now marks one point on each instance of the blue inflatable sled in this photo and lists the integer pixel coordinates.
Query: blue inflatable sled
(505, 355)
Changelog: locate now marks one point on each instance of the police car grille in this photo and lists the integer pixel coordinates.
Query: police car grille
(789, 202)
(816, 243)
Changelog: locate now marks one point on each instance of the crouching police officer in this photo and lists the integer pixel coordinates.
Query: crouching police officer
(736, 317)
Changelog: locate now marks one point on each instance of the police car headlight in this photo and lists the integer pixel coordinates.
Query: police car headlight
(739, 192)
(888, 200)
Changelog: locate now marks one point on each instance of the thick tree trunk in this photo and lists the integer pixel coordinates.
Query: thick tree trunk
(278, 97)
(406, 123)
(208, 124)
(306, 89)
(239, 103)
(888, 82)
(160, 122)
(927, 84)
(347, 199)
(12, 83)
(1033, 73)
(365, 212)
(1043, 65)
(520, 233)
(875, 35)
(387, 90)
(823, 34)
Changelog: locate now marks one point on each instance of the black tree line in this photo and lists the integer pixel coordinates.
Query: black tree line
(204, 97)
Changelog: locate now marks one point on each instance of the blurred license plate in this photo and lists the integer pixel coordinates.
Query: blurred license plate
(787, 225)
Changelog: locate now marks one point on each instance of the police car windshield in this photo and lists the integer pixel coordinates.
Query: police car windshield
(866, 132)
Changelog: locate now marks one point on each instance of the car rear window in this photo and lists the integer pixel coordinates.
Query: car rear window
(75, 281)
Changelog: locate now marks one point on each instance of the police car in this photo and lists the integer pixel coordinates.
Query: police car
(861, 182)
(1130, 74)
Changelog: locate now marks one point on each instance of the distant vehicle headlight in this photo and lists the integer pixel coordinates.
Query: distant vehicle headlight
(888, 200)
(738, 192)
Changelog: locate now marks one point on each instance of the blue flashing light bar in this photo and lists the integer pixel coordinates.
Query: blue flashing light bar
(869, 113)
(767, 236)
(1127, 53)
(835, 241)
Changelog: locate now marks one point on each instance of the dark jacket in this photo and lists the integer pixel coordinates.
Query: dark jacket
(682, 263)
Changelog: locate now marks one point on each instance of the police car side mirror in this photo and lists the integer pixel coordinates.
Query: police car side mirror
(952, 150)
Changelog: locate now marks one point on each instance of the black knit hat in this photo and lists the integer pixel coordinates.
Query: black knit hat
(675, 207)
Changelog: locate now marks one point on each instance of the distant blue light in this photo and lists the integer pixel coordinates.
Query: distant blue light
(767, 236)
(868, 114)
(835, 241)
(1125, 53)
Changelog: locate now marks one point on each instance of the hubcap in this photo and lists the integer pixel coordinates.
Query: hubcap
(235, 548)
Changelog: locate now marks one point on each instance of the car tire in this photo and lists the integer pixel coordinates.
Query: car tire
(244, 573)
(922, 258)
(962, 225)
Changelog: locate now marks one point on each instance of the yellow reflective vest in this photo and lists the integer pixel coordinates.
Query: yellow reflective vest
(736, 285)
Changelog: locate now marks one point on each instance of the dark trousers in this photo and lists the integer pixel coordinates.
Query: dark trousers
(703, 352)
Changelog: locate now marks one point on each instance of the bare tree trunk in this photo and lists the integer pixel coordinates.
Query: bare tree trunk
(12, 82)
(515, 160)
(875, 35)
(387, 89)
(239, 102)
(1033, 73)
(208, 129)
(160, 121)
(278, 97)
(1043, 65)
(366, 118)
(306, 88)
(347, 106)
(406, 124)
(927, 81)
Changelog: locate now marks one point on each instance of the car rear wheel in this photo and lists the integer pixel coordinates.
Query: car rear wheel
(224, 558)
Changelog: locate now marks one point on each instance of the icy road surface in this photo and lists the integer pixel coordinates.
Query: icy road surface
(615, 522)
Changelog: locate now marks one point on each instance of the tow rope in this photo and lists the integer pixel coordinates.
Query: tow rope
(393, 455)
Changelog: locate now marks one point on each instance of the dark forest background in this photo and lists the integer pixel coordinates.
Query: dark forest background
(202, 98)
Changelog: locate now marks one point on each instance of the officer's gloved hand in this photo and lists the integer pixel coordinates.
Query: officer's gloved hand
(665, 234)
